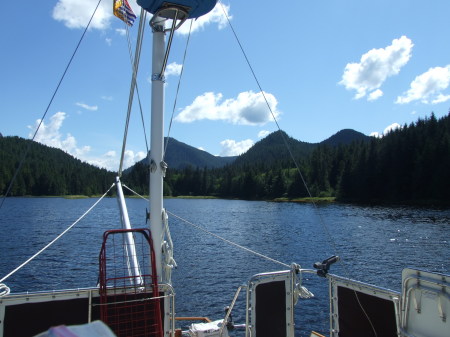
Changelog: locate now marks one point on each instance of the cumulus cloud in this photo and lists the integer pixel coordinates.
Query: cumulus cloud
(121, 31)
(173, 69)
(110, 160)
(232, 148)
(375, 67)
(388, 129)
(374, 95)
(263, 133)
(248, 108)
(428, 87)
(216, 16)
(87, 107)
(50, 135)
(76, 14)
(391, 127)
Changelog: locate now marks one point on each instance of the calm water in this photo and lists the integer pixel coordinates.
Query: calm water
(375, 244)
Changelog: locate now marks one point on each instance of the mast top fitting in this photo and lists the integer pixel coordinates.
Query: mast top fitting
(191, 9)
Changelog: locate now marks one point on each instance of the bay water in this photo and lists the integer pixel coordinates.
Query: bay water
(374, 243)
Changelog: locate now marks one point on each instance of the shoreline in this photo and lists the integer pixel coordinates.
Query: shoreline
(315, 200)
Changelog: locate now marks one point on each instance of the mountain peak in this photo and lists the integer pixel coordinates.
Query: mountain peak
(345, 137)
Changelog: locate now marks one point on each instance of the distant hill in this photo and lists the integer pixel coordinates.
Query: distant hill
(180, 155)
(345, 137)
(267, 151)
(47, 171)
(50, 171)
(273, 149)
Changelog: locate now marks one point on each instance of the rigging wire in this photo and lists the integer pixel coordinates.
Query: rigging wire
(22, 160)
(321, 220)
(58, 237)
(133, 85)
(178, 90)
(137, 89)
(283, 136)
(215, 235)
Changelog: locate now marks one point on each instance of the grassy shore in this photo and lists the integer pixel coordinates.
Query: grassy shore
(313, 200)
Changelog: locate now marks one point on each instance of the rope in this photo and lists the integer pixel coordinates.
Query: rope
(4, 290)
(229, 242)
(144, 17)
(133, 85)
(265, 99)
(217, 236)
(322, 222)
(178, 89)
(22, 160)
(55, 239)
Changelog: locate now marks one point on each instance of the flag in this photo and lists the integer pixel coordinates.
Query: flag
(124, 12)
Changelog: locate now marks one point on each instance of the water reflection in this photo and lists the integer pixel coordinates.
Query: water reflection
(375, 244)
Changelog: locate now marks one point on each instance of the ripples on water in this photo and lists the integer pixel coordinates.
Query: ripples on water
(375, 243)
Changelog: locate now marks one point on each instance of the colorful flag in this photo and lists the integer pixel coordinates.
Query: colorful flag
(124, 12)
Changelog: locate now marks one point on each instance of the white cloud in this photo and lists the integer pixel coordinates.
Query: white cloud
(110, 160)
(428, 87)
(76, 14)
(375, 67)
(215, 16)
(107, 98)
(133, 157)
(110, 154)
(108, 41)
(173, 69)
(49, 134)
(440, 99)
(232, 148)
(121, 31)
(374, 95)
(87, 107)
(388, 129)
(248, 108)
(263, 133)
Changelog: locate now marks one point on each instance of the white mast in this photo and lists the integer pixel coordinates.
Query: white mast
(157, 143)
(178, 13)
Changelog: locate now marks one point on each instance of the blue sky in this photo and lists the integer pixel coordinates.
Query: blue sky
(324, 65)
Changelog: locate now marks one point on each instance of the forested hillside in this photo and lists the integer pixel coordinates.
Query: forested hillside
(409, 165)
(180, 155)
(272, 151)
(48, 171)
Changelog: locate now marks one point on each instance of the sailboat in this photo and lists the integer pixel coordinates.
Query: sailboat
(135, 296)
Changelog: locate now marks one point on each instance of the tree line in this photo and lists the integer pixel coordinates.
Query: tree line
(409, 165)
(47, 171)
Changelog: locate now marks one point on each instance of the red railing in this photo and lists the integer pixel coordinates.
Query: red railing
(130, 301)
